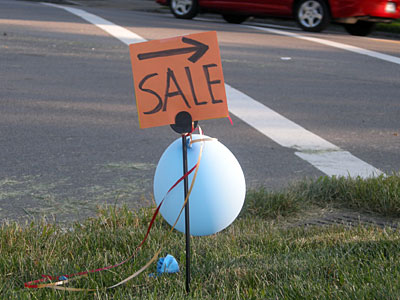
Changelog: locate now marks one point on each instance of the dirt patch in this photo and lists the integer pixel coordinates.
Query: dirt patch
(346, 217)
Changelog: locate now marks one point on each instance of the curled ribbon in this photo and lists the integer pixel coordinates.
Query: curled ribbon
(61, 280)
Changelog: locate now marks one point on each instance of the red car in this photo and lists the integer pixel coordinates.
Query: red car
(358, 16)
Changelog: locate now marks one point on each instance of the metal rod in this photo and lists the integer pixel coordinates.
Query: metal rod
(187, 224)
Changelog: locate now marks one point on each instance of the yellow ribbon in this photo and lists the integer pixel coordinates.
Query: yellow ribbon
(56, 285)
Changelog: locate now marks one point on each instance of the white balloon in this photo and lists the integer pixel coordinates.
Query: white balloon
(219, 189)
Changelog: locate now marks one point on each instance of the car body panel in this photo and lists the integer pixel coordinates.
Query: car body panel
(374, 10)
(360, 8)
(257, 7)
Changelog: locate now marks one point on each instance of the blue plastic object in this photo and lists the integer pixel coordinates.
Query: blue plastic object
(218, 193)
(167, 264)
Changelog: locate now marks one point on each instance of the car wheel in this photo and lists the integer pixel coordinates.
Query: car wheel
(234, 19)
(361, 28)
(312, 15)
(184, 9)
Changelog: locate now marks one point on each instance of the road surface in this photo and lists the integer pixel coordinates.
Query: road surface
(303, 105)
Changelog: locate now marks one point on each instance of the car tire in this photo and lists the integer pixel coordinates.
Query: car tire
(234, 19)
(184, 9)
(312, 15)
(361, 28)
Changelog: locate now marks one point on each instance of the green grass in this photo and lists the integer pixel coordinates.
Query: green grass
(257, 257)
(393, 27)
(379, 195)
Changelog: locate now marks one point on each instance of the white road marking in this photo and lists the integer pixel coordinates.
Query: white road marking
(378, 55)
(339, 163)
(325, 156)
(124, 35)
(275, 26)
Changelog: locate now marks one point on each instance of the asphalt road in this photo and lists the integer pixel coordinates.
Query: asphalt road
(69, 134)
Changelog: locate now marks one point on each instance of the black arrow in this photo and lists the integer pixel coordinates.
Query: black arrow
(199, 50)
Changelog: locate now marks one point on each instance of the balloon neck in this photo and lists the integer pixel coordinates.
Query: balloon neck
(188, 142)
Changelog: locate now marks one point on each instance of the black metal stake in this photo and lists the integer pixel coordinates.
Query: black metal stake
(187, 224)
(183, 124)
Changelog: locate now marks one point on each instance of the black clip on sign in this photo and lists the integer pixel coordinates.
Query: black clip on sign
(184, 124)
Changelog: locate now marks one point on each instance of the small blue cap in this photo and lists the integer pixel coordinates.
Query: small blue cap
(62, 278)
(167, 264)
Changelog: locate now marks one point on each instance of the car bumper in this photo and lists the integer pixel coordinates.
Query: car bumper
(371, 10)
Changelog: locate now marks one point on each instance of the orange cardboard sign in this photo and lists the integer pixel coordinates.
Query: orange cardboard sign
(178, 74)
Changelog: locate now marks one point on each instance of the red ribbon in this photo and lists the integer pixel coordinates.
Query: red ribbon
(33, 284)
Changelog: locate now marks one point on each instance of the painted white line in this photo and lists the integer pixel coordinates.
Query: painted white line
(324, 155)
(354, 49)
(278, 128)
(124, 35)
(339, 163)
(274, 26)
